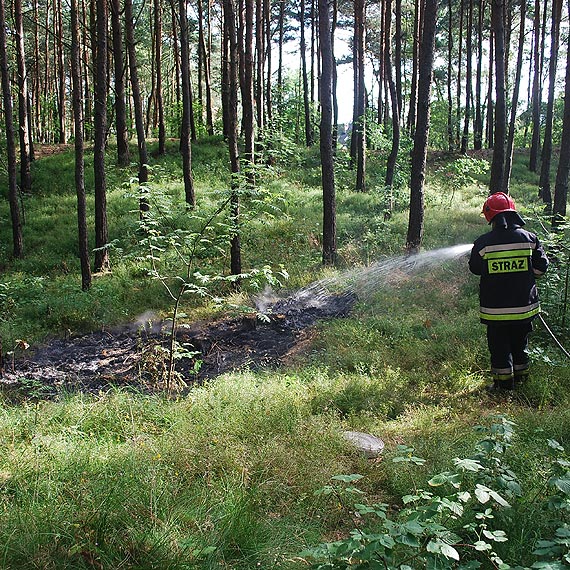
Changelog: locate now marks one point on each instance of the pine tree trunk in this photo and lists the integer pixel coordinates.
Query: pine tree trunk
(360, 95)
(496, 183)
(515, 99)
(60, 73)
(391, 163)
(24, 130)
(158, 67)
(419, 151)
(186, 128)
(536, 91)
(468, 72)
(546, 158)
(18, 243)
(450, 130)
(137, 103)
(478, 122)
(563, 172)
(102, 262)
(231, 48)
(309, 138)
(326, 142)
(412, 115)
(247, 90)
(123, 155)
(77, 102)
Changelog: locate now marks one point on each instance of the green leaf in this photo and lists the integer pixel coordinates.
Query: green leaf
(561, 483)
(347, 478)
(449, 552)
(468, 464)
(481, 545)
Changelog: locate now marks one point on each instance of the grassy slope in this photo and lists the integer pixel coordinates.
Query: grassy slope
(226, 477)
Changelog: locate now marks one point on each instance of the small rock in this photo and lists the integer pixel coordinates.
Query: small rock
(370, 445)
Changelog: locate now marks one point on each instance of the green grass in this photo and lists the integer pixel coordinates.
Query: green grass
(225, 477)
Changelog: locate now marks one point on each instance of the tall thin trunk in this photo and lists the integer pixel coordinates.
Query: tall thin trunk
(60, 73)
(137, 102)
(490, 124)
(398, 55)
(450, 129)
(260, 67)
(418, 16)
(478, 122)
(186, 129)
(515, 99)
(459, 72)
(326, 142)
(536, 91)
(18, 243)
(24, 131)
(203, 48)
(419, 151)
(468, 78)
(77, 102)
(496, 183)
(546, 157)
(231, 48)
(563, 172)
(391, 163)
(309, 139)
(280, 56)
(102, 262)
(360, 94)
(123, 155)
(158, 69)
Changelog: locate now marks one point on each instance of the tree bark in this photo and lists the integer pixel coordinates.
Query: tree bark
(478, 121)
(360, 94)
(536, 91)
(230, 38)
(77, 101)
(102, 262)
(563, 172)
(419, 151)
(496, 183)
(326, 142)
(137, 104)
(17, 239)
(158, 67)
(450, 129)
(24, 130)
(309, 138)
(546, 158)
(391, 163)
(60, 73)
(418, 16)
(123, 155)
(186, 128)
(515, 100)
(468, 78)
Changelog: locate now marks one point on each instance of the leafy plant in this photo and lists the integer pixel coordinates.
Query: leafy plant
(456, 522)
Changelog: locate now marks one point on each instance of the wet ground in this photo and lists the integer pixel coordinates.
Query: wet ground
(138, 356)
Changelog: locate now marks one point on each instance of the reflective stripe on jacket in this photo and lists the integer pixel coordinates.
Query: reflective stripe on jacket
(507, 259)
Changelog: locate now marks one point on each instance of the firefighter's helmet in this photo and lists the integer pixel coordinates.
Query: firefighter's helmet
(496, 204)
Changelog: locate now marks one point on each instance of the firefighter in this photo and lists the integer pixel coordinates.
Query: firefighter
(507, 258)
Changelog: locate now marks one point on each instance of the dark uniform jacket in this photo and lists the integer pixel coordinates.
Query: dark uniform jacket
(507, 259)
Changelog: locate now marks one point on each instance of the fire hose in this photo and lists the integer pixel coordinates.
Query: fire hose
(558, 343)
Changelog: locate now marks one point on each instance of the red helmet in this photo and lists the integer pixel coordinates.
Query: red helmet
(497, 203)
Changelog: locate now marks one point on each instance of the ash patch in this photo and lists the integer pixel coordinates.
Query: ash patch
(137, 356)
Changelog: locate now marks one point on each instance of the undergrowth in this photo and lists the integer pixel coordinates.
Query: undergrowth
(228, 476)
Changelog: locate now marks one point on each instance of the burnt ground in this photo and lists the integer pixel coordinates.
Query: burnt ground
(137, 356)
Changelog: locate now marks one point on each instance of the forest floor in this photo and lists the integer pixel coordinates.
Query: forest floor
(137, 354)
